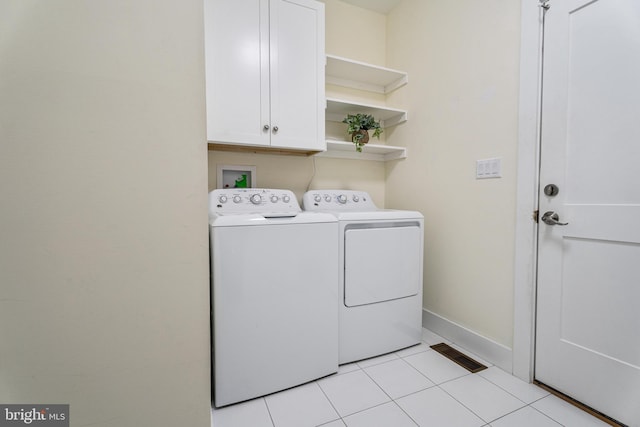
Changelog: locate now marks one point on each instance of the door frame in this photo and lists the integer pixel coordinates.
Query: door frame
(528, 181)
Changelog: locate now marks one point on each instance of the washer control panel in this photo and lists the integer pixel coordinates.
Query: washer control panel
(252, 200)
(337, 200)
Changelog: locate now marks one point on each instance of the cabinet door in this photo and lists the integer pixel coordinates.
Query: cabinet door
(297, 74)
(237, 71)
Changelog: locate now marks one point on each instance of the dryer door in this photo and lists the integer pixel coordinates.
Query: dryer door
(382, 264)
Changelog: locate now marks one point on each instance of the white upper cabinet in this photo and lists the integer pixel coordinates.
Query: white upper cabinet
(265, 73)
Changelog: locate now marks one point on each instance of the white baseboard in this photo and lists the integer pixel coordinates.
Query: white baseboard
(491, 351)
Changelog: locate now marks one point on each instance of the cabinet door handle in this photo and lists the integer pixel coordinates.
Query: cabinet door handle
(266, 127)
(275, 129)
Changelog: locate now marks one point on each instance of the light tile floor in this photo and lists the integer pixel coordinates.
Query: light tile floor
(411, 387)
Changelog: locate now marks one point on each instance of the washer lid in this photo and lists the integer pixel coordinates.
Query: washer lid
(270, 218)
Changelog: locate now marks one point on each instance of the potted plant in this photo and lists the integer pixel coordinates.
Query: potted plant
(359, 125)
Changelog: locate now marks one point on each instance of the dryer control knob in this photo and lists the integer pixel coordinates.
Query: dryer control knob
(356, 198)
(317, 198)
(237, 199)
(286, 198)
(342, 199)
(256, 199)
(223, 199)
(274, 199)
(327, 198)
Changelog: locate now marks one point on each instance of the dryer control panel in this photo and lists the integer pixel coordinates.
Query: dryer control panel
(337, 200)
(252, 200)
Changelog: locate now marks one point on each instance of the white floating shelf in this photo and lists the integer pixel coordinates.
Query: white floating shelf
(337, 110)
(359, 75)
(347, 150)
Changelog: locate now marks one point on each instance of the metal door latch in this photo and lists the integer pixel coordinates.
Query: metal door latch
(552, 218)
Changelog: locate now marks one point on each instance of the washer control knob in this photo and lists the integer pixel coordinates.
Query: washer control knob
(356, 198)
(286, 198)
(223, 199)
(274, 198)
(327, 197)
(256, 199)
(342, 199)
(317, 198)
(237, 199)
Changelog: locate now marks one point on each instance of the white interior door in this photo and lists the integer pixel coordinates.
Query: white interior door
(588, 317)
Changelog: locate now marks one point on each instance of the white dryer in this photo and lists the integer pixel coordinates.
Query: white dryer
(380, 273)
(274, 309)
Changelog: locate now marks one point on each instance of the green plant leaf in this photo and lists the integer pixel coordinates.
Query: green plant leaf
(358, 121)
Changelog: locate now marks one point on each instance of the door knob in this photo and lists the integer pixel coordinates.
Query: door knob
(552, 218)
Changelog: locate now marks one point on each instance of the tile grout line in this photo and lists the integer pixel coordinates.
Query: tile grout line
(546, 415)
(365, 409)
(330, 402)
(417, 370)
(405, 412)
(392, 399)
(462, 404)
(505, 390)
(273, 423)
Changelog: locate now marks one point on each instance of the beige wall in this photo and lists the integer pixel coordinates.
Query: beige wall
(462, 97)
(355, 33)
(348, 29)
(104, 300)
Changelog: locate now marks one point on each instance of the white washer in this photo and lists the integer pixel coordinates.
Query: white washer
(380, 273)
(274, 306)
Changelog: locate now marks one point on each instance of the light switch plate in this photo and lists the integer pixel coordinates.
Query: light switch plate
(489, 168)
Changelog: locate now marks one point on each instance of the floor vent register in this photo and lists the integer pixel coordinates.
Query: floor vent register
(460, 358)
